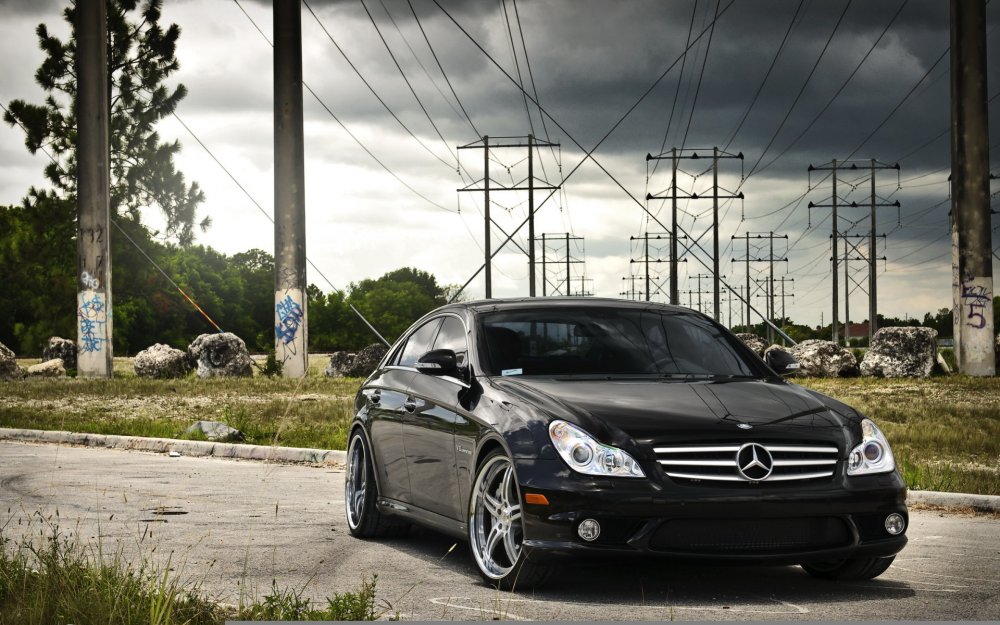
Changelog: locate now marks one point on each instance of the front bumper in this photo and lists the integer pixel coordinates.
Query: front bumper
(750, 523)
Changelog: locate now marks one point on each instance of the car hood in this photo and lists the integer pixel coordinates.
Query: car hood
(648, 412)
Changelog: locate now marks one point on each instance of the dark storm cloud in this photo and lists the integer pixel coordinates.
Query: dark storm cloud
(30, 7)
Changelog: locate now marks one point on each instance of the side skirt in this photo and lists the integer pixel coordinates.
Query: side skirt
(423, 517)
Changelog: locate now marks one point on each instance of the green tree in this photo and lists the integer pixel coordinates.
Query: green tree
(141, 58)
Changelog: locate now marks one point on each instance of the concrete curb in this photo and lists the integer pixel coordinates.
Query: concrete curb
(984, 503)
(980, 503)
(187, 448)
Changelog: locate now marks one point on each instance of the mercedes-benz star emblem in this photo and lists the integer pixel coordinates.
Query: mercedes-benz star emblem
(754, 462)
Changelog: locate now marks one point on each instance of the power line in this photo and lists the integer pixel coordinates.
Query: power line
(343, 126)
(403, 74)
(801, 89)
(369, 86)
(767, 74)
(440, 67)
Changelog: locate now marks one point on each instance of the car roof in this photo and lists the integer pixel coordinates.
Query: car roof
(521, 303)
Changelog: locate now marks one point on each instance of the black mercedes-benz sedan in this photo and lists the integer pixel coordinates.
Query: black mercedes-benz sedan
(541, 429)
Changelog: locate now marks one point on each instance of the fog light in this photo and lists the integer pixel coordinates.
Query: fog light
(894, 524)
(590, 529)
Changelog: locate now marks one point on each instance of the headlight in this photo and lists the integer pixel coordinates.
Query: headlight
(585, 455)
(873, 455)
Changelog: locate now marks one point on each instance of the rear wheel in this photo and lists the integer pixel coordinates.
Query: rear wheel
(496, 532)
(364, 519)
(850, 569)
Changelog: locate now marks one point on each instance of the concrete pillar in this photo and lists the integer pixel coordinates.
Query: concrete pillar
(290, 321)
(94, 319)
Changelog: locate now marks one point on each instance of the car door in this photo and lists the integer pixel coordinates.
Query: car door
(387, 395)
(434, 412)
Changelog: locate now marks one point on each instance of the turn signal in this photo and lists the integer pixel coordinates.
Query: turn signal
(537, 499)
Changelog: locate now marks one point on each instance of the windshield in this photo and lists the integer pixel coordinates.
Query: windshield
(568, 341)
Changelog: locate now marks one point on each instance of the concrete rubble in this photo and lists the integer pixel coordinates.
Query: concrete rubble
(754, 342)
(161, 361)
(220, 355)
(906, 352)
(61, 348)
(47, 369)
(824, 359)
(9, 369)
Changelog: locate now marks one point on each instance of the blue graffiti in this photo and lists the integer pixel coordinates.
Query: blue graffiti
(93, 320)
(289, 319)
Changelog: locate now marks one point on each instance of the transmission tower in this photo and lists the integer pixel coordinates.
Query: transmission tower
(489, 185)
(837, 170)
(758, 239)
(783, 295)
(674, 156)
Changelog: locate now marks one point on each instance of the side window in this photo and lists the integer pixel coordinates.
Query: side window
(419, 343)
(452, 336)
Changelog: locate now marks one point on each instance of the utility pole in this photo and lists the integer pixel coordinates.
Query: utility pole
(769, 259)
(970, 198)
(784, 317)
(629, 290)
(93, 298)
(528, 184)
(290, 314)
(698, 278)
(838, 169)
(675, 156)
(567, 261)
(647, 258)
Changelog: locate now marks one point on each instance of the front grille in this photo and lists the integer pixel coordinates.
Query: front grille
(750, 536)
(721, 463)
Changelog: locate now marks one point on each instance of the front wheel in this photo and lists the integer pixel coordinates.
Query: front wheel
(496, 531)
(850, 569)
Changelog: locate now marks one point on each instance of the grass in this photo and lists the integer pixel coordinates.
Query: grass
(944, 431)
(54, 579)
(314, 411)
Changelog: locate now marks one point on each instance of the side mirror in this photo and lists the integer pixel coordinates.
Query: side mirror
(781, 362)
(438, 362)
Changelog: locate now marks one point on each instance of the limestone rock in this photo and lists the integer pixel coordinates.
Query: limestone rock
(9, 369)
(824, 359)
(340, 363)
(64, 349)
(161, 361)
(48, 369)
(366, 360)
(215, 431)
(754, 342)
(901, 353)
(220, 355)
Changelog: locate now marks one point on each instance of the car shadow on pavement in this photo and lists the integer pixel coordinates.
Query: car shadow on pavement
(659, 582)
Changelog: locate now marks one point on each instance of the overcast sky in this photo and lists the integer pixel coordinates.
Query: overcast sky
(590, 62)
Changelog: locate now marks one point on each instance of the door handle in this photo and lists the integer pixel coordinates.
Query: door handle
(375, 397)
(410, 404)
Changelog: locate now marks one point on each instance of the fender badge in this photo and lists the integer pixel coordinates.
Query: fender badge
(744, 426)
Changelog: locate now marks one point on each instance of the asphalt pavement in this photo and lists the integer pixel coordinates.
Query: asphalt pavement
(233, 526)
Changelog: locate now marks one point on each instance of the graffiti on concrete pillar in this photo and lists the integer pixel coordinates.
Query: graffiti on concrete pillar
(92, 314)
(288, 315)
(975, 299)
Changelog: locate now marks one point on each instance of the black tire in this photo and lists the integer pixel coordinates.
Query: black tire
(364, 520)
(496, 531)
(850, 569)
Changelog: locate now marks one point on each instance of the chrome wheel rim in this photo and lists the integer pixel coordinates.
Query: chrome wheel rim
(495, 529)
(357, 482)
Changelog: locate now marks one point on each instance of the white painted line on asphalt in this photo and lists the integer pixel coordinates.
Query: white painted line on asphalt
(970, 579)
(659, 609)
